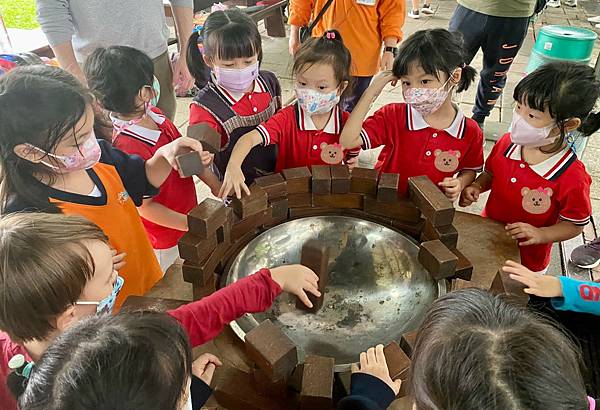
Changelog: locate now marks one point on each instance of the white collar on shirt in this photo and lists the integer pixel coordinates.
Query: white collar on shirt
(416, 122)
(305, 122)
(549, 169)
(139, 132)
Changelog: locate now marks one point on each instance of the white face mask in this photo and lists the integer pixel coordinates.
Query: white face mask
(525, 134)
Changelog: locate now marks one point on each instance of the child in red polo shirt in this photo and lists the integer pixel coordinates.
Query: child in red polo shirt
(308, 132)
(539, 188)
(121, 78)
(235, 95)
(426, 135)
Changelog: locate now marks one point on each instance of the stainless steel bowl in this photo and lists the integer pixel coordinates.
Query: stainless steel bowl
(377, 289)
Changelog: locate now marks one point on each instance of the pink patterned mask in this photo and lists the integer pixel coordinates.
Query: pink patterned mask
(236, 80)
(427, 100)
(525, 134)
(85, 157)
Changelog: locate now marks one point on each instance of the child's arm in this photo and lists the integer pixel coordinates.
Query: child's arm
(566, 293)
(234, 177)
(350, 137)
(204, 319)
(210, 179)
(471, 192)
(161, 215)
(530, 235)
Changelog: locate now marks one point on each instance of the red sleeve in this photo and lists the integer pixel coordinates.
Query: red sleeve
(131, 145)
(498, 149)
(7, 350)
(575, 204)
(278, 126)
(376, 129)
(200, 115)
(473, 159)
(204, 319)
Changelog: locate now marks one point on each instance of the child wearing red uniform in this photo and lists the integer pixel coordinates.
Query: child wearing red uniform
(235, 95)
(538, 187)
(308, 132)
(120, 77)
(426, 135)
(73, 269)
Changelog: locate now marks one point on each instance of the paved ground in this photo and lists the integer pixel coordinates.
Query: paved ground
(276, 59)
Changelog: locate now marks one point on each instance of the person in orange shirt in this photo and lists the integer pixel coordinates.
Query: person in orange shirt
(371, 30)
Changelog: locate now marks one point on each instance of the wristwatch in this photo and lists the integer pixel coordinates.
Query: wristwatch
(389, 49)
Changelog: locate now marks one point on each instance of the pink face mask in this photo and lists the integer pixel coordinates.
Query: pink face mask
(525, 134)
(427, 100)
(237, 80)
(85, 157)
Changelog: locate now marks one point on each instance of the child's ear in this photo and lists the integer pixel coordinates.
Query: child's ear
(208, 61)
(29, 153)
(572, 124)
(147, 94)
(66, 319)
(456, 76)
(342, 87)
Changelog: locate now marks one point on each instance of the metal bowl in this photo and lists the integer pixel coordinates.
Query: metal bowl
(377, 289)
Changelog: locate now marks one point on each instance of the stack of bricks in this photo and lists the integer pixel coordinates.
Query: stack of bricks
(439, 238)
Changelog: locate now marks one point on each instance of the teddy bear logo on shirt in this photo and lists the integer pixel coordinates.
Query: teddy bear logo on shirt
(446, 161)
(536, 201)
(332, 154)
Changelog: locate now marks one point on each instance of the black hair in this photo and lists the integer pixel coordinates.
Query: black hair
(116, 74)
(435, 50)
(475, 350)
(135, 361)
(39, 104)
(226, 35)
(327, 49)
(567, 90)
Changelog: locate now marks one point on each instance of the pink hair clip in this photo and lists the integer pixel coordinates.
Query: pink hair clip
(330, 35)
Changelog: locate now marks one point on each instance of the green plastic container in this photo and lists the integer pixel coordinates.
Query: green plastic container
(562, 43)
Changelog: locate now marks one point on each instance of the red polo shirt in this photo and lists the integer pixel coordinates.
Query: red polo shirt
(540, 195)
(300, 143)
(413, 148)
(176, 193)
(242, 104)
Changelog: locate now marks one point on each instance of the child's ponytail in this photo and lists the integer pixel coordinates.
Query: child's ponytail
(467, 78)
(590, 124)
(195, 61)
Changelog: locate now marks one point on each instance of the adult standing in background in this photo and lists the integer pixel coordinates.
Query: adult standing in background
(371, 29)
(499, 28)
(75, 28)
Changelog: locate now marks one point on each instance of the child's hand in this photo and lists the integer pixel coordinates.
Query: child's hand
(381, 80)
(118, 259)
(204, 367)
(546, 286)
(297, 280)
(469, 195)
(207, 158)
(352, 162)
(180, 146)
(373, 362)
(233, 180)
(526, 234)
(452, 187)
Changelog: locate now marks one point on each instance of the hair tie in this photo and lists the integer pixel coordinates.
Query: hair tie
(198, 29)
(20, 366)
(463, 65)
(330, 35)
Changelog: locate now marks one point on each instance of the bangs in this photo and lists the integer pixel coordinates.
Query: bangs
(537, 90)
(233, 41)
(420, 53)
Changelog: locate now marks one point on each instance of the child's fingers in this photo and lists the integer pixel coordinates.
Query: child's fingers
(379, 356)
(190, 143)
(396, 386)
(513, 264)
(302, 296)
(371, 356)
(209, 372)
(363, 360)
(521, 235)
(309, 287)
(354, 368)
(530, 241)
(238, 191)
(529, 282)
(246, 189)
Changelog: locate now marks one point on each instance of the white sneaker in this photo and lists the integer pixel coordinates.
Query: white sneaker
(571, 3)
(414, 14)
(554, 3)
(426, 9)
(597, 25)
(594, 19)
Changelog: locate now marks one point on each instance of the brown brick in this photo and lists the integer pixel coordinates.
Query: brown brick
(306, 211)
(397, 361)
(193, 248)
(201, 273)
(266, 387)
(201, 291)
(458, 284)
(364, 181)
(207, 217)
(317, 383)
(321, 179)
(340, 179)
(189, 164)
(413, 229)
(272, 350)
(315, 255)
(342, 201)
(464, 267)
(241, 227)
(251, 204)
(300, 200)
(298, 179)
(387, 190)
(143, 303)
(437, 259)
(235, 390)
(207, 135)
(434, 205)
(447, 234)
(274, 185)
(402, 209)
(407, 342)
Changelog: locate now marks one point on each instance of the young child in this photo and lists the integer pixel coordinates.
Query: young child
(427, 134)
(121, 78)
(238, 96)
(308, 132)
(476, 351)
(538, 187)
(52, 162)
(69, 260)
